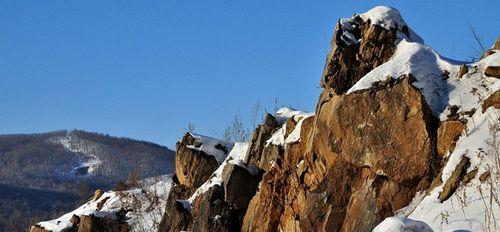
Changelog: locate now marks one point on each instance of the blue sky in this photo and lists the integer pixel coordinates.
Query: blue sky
(144, 69)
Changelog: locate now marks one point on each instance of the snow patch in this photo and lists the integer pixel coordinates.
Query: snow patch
(278, 137)
(210, 146)
(402, 224)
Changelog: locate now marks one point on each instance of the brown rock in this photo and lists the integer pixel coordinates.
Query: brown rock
(75, 220)
(497, 44)
(366, 129)
(257, 143)
(470, 176)
(193, 167)
(97, 194)
(492, 71)
(492, 100)
(212, 213)
(448, 134)
(239, 185)
(453, 182)
(91, 223)
(37, 228)
(347, 63)
(463, 70)
(176, 217)
(485, 176)
(101, 203)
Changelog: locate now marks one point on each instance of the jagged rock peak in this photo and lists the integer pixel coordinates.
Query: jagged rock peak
(360, 44)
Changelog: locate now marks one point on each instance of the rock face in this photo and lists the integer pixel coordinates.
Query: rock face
(239, 185)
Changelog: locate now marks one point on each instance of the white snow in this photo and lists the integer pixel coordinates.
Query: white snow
(384, 16)
(72, 143)
(147, 216)
(278, 137)
(236, 156)
(208, 145)
(402, 224)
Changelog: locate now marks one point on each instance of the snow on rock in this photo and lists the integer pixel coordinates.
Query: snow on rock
(402, 224)
(436, 76)
(424, 64)
(236, 156)
(146, 217)
(278, 138)
(210, 146)
(383, 16)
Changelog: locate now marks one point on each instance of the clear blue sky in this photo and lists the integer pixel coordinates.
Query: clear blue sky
(144, 69)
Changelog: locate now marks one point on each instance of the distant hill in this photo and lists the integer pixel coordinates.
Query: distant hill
(43, 167)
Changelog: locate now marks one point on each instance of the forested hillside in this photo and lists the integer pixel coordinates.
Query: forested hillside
(45, 174)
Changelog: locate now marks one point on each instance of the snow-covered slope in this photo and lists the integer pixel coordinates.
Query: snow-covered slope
(146, 205)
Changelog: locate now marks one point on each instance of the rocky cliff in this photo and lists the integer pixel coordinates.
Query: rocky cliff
(402, 139)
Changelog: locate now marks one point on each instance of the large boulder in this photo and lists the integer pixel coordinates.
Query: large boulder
(193, 166)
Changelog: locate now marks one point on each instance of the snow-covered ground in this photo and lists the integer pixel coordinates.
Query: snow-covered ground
(147, 202)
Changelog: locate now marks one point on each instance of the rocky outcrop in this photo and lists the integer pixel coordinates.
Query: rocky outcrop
(351, 57)
(194, 166)
(353, 167)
